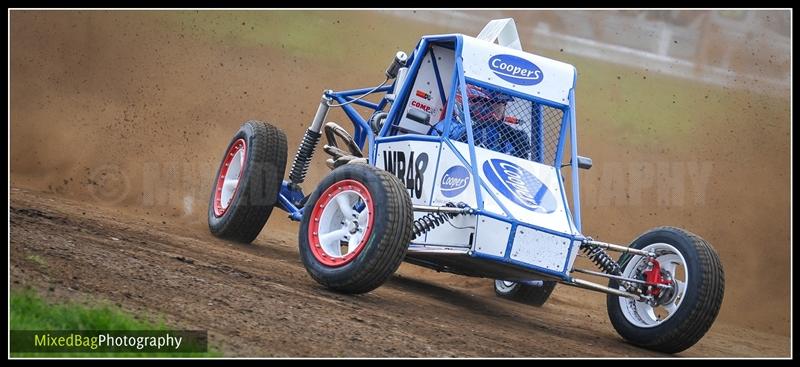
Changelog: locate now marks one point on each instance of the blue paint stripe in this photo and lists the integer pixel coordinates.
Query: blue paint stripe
(409, 137)
(511, 236)
(576, 191)
(540, 193)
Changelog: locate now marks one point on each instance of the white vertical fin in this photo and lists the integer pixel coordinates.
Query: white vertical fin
(502, 31)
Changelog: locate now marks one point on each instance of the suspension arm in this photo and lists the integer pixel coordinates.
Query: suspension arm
(580, 283)
(443, 209)
(617, 277)
(617, 248)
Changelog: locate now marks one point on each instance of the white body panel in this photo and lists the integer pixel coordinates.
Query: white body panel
(492, 237)
(555, 220)
(575, 249)
(453, 184)
(460, 188)
(557, 78)
(444, 178)
(540, 249)
(490, 205)
(395, 157)
(454, 233)
(503, 31)
(434, 99)
(414, 162)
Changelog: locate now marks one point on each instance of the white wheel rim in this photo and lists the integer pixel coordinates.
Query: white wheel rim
(342, 225)
(232, 179)
(504, 286)
(642, 314)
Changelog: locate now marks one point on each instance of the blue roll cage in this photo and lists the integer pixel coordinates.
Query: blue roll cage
(290, 195)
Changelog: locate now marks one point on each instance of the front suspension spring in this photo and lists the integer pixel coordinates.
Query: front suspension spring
(303, 157)
(602, 259)
(429, 221)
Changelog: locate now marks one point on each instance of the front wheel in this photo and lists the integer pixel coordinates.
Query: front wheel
(356, 228)
(676, 317)
(247, 182)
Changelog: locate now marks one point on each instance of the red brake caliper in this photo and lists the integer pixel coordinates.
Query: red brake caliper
(653, 277)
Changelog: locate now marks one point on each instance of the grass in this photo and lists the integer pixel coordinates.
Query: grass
(31, 312)
(36, 259)
(352, 41)
(305, 34)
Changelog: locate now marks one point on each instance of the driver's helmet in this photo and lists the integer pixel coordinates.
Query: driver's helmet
(486, 105)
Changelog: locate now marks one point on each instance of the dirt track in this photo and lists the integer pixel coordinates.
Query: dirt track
(257, 300)
(123, 116)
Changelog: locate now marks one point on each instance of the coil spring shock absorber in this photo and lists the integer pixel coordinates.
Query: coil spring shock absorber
(431, 220)
(602, 259)
(303, 157)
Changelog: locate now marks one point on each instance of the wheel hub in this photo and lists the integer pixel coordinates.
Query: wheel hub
(668, 295)
(353, 227)
(669, 268)
(654, 276)
(341, 222)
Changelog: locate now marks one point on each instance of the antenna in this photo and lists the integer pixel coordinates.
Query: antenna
(502, 31)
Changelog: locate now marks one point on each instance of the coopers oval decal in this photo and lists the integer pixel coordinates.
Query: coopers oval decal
(519, 185)
(454, 181)
(516, 70)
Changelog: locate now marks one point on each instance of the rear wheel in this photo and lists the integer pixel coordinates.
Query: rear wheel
(356, 228)
(677, 317)
(530, 294)
(247, 182)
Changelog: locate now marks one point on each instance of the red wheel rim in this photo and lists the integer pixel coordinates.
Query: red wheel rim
(344, 212)
(228, 179)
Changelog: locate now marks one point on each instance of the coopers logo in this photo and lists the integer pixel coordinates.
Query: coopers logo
(516, 70)
(454, 181)
(519, 185)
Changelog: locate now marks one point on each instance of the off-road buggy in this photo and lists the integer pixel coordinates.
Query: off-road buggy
(459, 168)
